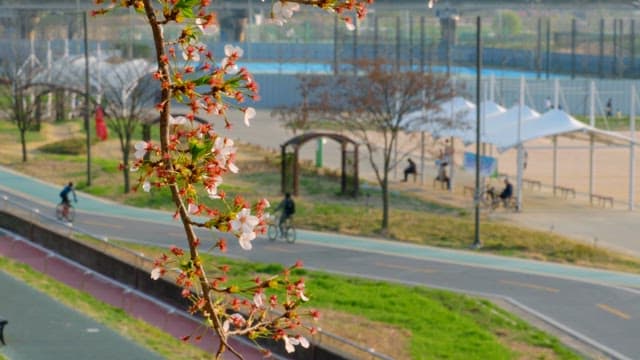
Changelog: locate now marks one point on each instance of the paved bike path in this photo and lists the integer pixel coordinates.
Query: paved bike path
(47, 195)
(41, 328)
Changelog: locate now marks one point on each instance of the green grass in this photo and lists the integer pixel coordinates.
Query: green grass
(113, 317)
(612, 123)
(10, 129)
(441, 324)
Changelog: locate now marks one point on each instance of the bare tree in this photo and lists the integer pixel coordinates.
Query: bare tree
(23, 94)
(129, 96)
(371, 107)
(296, 117)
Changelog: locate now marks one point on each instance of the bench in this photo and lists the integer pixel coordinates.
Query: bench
(443, 183)
(3, 322)
(602, 200)
(565, 191)
(532, 183)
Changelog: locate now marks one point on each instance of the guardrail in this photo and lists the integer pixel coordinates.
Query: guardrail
(350, 349)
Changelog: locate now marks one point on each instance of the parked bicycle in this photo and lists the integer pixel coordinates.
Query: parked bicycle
(65, 212)
(288, 231)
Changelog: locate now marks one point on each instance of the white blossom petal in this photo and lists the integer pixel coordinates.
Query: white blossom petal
(249, 114)
(288, 344)
(146, 186)
(178, 120)
(258, 299)
(156, 273)
(303, 342)
(192, 208)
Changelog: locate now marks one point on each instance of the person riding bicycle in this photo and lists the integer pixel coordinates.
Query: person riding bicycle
(64, 194)
(288, 207)
(506, 193)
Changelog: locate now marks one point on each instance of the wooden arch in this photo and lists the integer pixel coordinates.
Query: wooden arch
(297, 142)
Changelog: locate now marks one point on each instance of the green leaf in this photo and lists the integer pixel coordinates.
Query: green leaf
(197, 149)
(186, 7)
(203, 80)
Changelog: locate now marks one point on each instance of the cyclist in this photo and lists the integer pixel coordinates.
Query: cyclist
(507, 192)
(64, 195)
(288, 207)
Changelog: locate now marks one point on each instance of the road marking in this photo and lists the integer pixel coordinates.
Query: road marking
(614, 311)
(529, 286)
(89, 222)
(278, 249)
(403, 267)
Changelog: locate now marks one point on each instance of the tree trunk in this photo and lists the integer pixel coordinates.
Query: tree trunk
(125, 171)
(384, 228)
(23, 142)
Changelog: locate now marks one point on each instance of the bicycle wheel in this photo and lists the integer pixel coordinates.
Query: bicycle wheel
(71, 214)
(59, 211)
(290, 234)
(272, 232)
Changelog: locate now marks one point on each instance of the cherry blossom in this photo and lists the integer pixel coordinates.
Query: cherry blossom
(281, 12)
(142, 147)
(156, 273)
(258, 299)
(245, 224)
(178, 120)
(224, 150)
(211, 185)
(232, 53)
(235, 319)
(249, 114)
(290, 342)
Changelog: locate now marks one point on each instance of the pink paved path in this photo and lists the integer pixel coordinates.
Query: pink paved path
(166, 318)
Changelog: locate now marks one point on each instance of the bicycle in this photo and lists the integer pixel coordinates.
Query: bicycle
(65, 212)
(491, 200)
(289, 231)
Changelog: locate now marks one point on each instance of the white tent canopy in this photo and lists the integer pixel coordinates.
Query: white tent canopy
(504, 125)
(452, 114)
(552, 123)
(456, 117)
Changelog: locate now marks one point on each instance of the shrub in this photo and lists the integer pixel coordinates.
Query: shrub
(71, 146)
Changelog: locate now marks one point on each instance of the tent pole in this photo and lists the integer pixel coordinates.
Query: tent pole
(632, 150)
(520, 147)
(591, 168)
(492, 88)
(555, 164)
(422, 158)
(592, 122)
(556, 100)
(556, 93)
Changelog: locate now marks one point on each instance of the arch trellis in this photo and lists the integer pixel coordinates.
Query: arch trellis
(349, 161)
